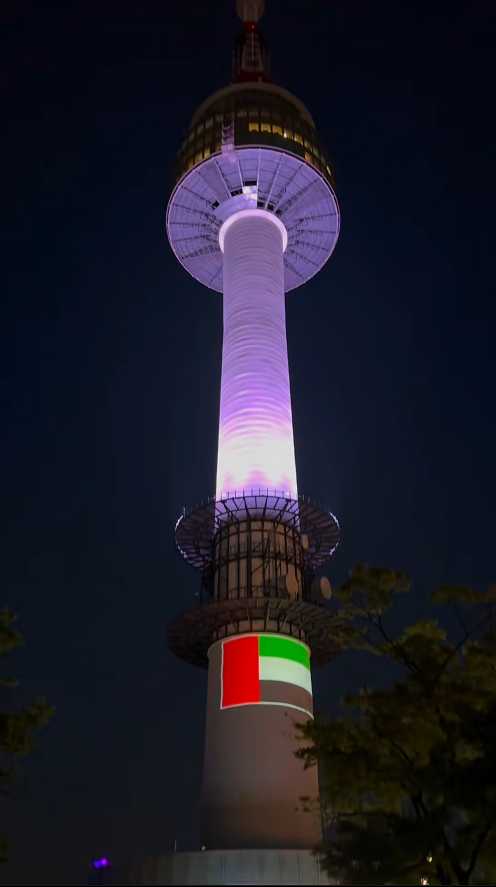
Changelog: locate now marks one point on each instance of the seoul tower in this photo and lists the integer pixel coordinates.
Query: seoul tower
(252, 216)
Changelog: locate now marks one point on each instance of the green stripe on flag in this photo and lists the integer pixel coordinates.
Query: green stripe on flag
(284, 648)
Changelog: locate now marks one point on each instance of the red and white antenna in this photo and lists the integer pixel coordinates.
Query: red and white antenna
(250, 10)
(250, 56)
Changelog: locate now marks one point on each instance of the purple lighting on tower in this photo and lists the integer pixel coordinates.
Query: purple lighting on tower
(256, 446)
(102, 863)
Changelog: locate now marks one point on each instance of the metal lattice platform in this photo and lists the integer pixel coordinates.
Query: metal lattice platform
(195, 530)
(274, 180)
(191, 635)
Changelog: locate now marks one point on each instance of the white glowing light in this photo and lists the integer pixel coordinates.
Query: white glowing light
(256, 448)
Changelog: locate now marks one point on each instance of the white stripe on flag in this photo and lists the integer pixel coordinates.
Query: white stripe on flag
(272, 668)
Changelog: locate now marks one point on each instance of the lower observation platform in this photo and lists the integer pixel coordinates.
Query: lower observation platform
(255, 867)
(195, 529)
(192, 634)
(240, 178)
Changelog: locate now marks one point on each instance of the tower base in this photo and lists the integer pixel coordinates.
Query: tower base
(233, 867)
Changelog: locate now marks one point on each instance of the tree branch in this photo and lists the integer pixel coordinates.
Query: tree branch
(478, 847)
(398, 650)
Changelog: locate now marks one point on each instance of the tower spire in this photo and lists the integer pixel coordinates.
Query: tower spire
(251, 60)
(250, 10)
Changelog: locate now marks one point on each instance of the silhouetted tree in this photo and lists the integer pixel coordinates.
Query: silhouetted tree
(17, 726)
(408, 775)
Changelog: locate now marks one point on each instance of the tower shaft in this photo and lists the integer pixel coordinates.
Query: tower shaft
(256, 448)
(252, 781)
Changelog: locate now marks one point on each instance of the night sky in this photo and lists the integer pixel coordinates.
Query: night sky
(111, 369)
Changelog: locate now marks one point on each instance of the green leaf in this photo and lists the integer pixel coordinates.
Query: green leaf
(408, 770)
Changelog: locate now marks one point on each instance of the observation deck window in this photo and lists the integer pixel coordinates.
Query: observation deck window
(252, 113)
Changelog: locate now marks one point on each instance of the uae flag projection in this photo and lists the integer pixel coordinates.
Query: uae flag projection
(266, 669)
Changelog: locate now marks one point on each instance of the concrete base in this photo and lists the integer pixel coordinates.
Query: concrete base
(234, 867)
(252, 782)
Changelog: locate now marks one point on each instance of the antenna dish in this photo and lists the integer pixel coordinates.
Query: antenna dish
(325, 588)
(320, 588)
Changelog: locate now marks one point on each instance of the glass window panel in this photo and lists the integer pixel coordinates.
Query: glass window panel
(253, 126)
(265, 127)
(298, 138)
(276, 129)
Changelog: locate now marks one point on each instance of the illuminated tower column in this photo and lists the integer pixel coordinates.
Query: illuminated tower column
(256, 448)
(252, 781)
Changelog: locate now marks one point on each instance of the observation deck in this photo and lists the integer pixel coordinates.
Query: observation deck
(253, 145)
(257, 553)
(261, 114)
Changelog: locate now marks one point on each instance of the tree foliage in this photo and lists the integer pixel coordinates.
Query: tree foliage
(17, 726)
(408, 774)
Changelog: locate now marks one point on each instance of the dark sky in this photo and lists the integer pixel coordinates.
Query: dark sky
(111, 368)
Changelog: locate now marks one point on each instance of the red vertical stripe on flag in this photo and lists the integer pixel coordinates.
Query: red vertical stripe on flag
(240, 679)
